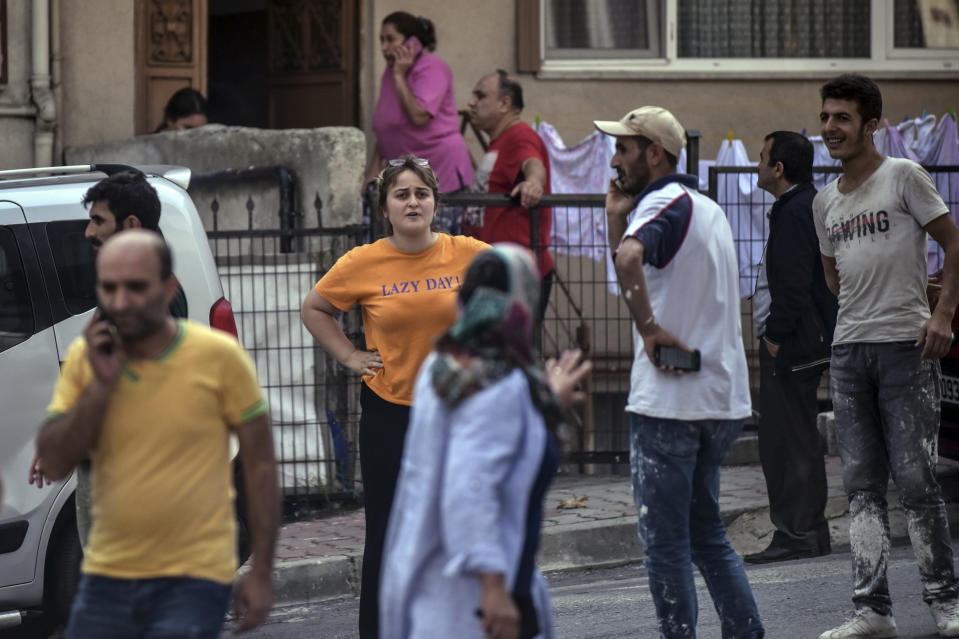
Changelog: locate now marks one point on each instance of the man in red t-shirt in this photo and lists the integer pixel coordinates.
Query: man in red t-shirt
(516, 163)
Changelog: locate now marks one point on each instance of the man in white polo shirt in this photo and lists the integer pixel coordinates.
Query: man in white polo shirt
(677, 267)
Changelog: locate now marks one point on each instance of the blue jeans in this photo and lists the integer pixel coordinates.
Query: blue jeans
(161, 608)
(886, 401)
(675, 470)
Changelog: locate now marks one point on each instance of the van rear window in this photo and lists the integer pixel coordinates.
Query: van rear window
(74, 259)
(16, 310)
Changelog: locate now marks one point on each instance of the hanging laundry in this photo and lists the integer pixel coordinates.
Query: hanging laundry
(745, 206)
(918, 134)
(889, 142)
(583, 168)
(940, 150)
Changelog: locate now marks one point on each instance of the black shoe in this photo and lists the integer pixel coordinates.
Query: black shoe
(780, 552)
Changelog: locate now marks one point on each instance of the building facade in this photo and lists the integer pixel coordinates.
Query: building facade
(79, 73)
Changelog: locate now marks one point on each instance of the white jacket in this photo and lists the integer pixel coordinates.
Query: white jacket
(460, 509)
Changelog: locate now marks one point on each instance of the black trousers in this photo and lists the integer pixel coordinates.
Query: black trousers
(791, 452)
(382, 432)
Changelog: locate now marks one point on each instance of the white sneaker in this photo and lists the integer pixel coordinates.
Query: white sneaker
(865, 624)
(946, 616)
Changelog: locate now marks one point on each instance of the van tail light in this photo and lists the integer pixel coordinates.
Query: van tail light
(221, 317)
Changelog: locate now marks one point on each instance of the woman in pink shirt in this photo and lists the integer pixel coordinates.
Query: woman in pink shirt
(416, 111)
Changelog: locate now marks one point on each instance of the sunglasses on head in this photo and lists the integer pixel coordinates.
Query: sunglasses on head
(416, 161)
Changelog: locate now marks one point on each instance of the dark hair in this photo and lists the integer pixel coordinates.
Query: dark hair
(165, 257)
(182, 104)
(508, 86)
(643, 142)
(389, 175)
(863, 91)
(409, 25)
(795, 152)
(127, 193)
(487, 270)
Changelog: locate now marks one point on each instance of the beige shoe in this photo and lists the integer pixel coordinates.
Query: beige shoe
(865, 624)
(946, 615)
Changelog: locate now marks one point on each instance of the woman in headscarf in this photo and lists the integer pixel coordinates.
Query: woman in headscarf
(479, 456)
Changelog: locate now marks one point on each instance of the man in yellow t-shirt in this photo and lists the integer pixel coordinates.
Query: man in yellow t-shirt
(153, 401)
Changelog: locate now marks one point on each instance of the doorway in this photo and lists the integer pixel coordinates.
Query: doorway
(283, 63)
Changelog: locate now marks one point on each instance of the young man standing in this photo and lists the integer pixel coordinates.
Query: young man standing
(872, 225)
(153, 401)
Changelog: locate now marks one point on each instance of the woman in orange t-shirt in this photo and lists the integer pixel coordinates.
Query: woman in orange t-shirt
(406, 284)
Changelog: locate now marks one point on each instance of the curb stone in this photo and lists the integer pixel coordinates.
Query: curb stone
(316, 579)
(610, 537)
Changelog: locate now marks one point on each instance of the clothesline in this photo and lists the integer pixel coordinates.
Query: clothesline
(584, 168)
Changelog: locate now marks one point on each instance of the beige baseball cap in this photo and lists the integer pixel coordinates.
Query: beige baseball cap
(653, 122)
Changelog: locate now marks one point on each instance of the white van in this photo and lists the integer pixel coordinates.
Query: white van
(46, 297)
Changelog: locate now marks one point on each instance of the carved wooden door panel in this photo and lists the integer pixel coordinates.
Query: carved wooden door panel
(171, 54)
(312, 63)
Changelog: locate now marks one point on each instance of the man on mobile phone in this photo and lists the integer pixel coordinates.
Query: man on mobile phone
(153, 401)
(679, 278)
(117, 203)
(794, 314)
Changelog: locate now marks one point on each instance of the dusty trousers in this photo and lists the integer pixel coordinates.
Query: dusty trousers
(791, 453)
(886, 400)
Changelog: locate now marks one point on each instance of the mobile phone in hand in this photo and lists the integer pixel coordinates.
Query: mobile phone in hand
(677, 358)
(414, 45)
(108, 347)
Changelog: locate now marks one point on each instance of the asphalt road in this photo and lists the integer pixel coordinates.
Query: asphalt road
(796, 599)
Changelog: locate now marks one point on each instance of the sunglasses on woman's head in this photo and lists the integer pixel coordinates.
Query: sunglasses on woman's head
(416, 161)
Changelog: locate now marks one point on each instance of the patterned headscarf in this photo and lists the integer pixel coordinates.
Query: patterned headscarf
(494, 335)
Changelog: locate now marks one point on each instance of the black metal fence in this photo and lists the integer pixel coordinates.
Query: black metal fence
(267, 262)
(584, 311)
(746, 207)
(268, 259)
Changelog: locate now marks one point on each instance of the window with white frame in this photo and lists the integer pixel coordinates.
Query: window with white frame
(736, 36)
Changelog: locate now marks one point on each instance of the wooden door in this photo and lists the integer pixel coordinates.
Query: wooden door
(312, 63)
(171, 54)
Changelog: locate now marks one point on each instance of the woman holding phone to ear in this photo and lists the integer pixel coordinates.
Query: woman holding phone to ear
(416, 111)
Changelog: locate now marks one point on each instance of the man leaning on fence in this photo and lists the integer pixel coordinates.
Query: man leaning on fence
(679, 278)
(516, 163)
(794, 314)
(873, 225)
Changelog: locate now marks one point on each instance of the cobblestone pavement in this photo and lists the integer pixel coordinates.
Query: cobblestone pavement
(320, 559)
(606, 497)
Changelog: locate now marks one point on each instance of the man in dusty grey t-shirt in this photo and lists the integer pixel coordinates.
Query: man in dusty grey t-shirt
(876, 233)
(872, 225)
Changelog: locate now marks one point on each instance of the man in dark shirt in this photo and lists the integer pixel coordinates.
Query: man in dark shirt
(794, 314)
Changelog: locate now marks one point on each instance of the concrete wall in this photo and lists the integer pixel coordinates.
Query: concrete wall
(16, 133)
(99, 71)
(324, 161)
(98, 74)
(475, 38)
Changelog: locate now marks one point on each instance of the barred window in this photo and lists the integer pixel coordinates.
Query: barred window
(738, 36)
